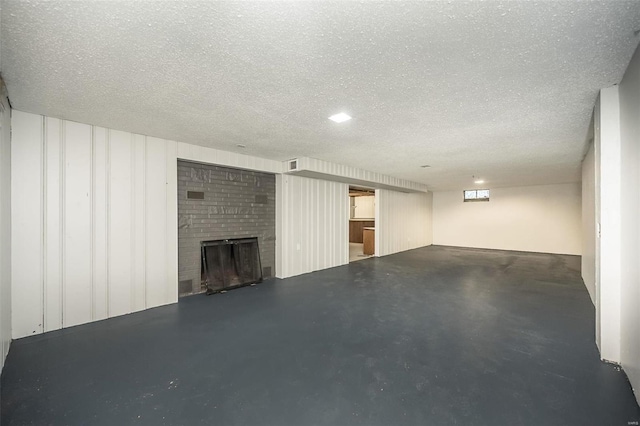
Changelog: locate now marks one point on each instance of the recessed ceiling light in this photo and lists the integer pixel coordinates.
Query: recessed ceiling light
(340, 117)
(479, 181)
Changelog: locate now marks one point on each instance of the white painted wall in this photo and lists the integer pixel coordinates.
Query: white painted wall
(629, 93)
(94, 233)
(95, 220)
(597, 163)
(608, 201)
(403, 221)
(312, 230)
(544, 218)
(5, 225)
(365, 207)
(589, 225)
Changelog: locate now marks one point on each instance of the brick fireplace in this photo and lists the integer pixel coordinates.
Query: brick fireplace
(217, 203)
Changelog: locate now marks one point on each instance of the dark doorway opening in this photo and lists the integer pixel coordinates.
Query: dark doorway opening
(232, 263)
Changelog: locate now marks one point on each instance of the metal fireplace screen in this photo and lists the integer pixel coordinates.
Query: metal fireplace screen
(230, 263)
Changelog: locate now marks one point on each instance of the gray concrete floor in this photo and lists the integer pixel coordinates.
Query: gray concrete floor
(434, 336)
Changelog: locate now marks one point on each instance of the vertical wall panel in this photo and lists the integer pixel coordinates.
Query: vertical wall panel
(589, 225)
(608, 276)
(403, 221)
(5, 224)
(155, 222)
(281, 230)
(95, 234)
(26, 227)
(630, 222)
(311, 225)
(53, 208)
(100, 258)
(121, 271)
(171, 214)
(76, 248)
(138, 225)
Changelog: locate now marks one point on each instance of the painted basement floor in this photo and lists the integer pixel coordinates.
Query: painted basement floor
(434, 336)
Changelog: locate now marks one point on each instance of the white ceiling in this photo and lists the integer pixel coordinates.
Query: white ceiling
(500, 90)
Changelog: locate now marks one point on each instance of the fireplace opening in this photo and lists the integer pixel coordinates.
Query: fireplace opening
(232, 263)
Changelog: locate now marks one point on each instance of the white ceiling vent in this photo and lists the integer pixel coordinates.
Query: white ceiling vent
(293, 165)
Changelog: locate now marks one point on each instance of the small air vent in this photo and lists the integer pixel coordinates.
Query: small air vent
(293, 165)
(266, 271)
(261, 199)
(195, 195)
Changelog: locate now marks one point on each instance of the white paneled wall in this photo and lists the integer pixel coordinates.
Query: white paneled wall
(95, 223)
(5, 225)
(94, 233)
(403, 221)
(27, 289)
(607, 152)
(589, 225)
(630, 222)
(312, 230)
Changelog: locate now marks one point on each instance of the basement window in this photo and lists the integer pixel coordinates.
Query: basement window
(476, 195)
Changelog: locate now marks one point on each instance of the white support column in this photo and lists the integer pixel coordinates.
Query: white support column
(608, 161)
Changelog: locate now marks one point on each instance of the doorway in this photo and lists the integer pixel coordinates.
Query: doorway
(362, 223)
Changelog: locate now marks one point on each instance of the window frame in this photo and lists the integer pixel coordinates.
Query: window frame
(465, 199)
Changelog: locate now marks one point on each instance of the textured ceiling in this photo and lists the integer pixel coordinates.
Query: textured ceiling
(500, 90)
